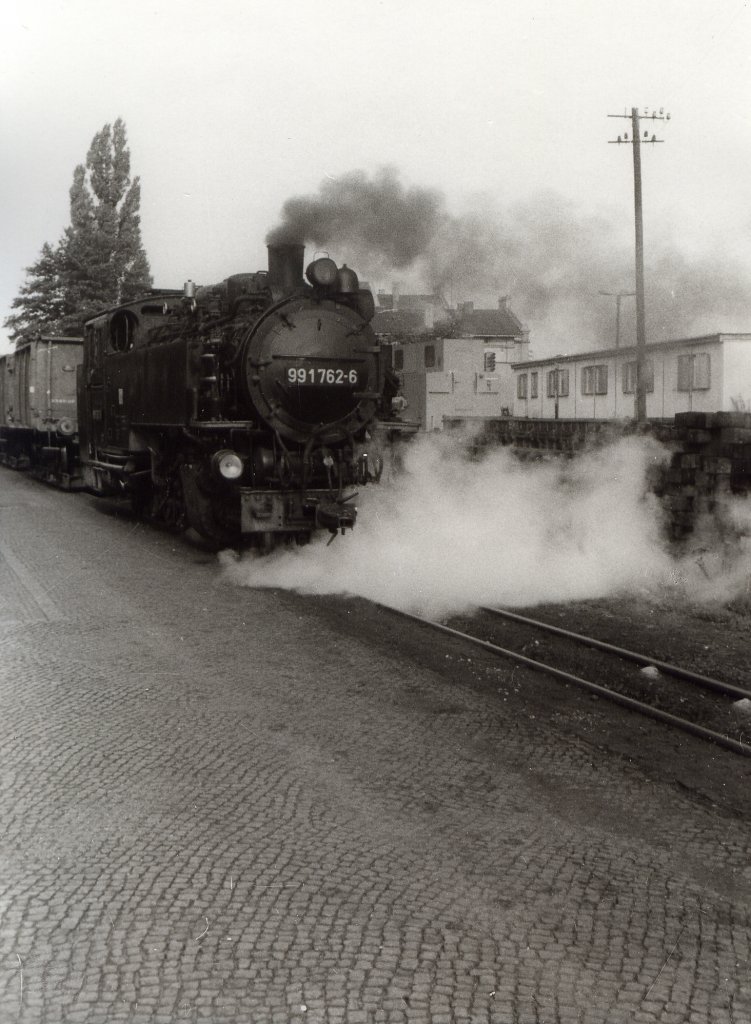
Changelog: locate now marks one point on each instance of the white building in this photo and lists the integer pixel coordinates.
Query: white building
(457, 377)
(459, 366)
(711, 373)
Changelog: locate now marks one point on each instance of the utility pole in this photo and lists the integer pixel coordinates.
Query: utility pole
(641, 330)
(618, 296)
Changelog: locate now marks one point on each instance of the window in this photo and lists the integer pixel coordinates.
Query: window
(123, 330)
(701, 370)
(398, 358)
(595, 379)
(489, 362)
(693, 372)
(533, 385)
(628, 377)
(557, 383)
(429, 356)
(521, 386)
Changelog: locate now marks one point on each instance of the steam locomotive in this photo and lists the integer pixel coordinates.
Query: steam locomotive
(251, 409)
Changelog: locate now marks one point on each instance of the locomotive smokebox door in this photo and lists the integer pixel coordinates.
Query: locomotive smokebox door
(311, 369)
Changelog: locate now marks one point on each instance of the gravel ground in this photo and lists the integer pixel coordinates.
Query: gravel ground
(710, 640)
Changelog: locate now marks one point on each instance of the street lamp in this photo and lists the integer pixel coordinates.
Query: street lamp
(618, 296)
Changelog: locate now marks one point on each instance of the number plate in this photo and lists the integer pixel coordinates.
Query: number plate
(322, 377)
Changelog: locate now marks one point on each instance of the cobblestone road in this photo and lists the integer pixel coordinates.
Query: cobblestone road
(218, 805)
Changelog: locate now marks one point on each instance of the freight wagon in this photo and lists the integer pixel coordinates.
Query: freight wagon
(38, 411)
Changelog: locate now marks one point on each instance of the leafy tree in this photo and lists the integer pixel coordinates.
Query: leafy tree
(100, 260)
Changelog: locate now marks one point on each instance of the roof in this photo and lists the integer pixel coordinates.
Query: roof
(386, 301)
(463, 322)
(630, 350)
(486, 323)
(399, 321)
(58, 339)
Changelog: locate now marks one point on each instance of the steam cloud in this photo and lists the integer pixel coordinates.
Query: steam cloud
(545, 254)
(446, 535)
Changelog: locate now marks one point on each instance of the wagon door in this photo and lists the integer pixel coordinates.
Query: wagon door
(24, 385)
(92, 407)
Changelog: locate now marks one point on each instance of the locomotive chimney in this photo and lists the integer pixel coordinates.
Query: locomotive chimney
(286, 265)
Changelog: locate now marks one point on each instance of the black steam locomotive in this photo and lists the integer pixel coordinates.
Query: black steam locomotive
(248, 409)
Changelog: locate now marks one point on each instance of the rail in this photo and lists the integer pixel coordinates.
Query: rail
(616, 697)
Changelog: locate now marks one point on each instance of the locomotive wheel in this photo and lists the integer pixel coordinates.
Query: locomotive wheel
(173, 509)
(200, 512)
(265, 542)
(140, 504)
(162, 503)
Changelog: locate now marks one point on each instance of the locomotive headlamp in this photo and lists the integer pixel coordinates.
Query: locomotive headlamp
(322, 273)
(226, 464)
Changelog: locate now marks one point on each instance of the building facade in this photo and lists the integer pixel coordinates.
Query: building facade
(710, 373)
(458, 365)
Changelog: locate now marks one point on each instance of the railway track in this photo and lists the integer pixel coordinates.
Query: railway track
(671, 694)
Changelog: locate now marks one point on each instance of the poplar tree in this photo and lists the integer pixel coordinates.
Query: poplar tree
(100, 260)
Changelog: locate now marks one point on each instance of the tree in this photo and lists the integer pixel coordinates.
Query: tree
(100, 260)
(40, 301)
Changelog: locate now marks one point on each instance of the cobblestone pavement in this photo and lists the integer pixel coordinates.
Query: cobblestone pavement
(222, 804)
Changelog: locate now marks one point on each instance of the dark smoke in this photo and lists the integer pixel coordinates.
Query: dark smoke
(545, 254)
(380, 217)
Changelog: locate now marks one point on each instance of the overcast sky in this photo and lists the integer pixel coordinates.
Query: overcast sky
(233, 107)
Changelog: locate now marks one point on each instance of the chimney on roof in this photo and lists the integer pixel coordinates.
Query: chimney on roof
(503, 303)
(465, 308)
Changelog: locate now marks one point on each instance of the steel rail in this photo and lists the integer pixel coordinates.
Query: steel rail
(674, 670)
(601, 691)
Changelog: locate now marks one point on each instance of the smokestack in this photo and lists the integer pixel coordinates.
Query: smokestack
(395, 295)
(286, 265)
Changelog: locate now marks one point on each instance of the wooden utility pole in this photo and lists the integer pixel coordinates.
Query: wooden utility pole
(641, 320)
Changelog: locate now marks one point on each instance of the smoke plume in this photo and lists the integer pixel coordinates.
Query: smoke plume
(549, 257)
(381, 218)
